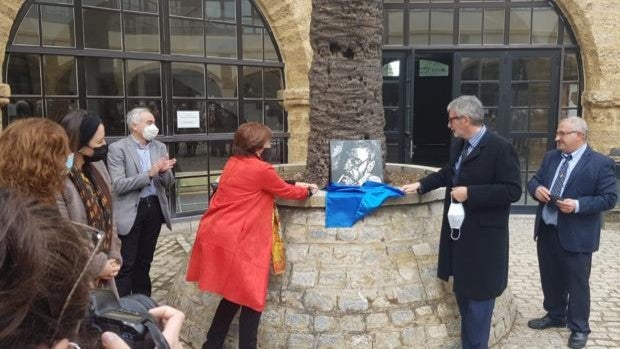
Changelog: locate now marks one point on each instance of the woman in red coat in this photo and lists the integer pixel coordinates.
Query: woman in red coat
(232, 250)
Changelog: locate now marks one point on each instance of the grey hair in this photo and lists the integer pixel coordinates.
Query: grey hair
(135, 115)
(577, 123)
(468, 106)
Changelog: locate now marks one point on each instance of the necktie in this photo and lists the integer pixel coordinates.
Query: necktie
(556, 189)
(464, 151)
(459, 162)
(550, 211)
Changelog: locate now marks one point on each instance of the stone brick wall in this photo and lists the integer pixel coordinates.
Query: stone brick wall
(373, 285)
(370, 286)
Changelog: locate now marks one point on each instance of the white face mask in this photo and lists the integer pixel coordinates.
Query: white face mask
(69, 162)
(150, 132)
(456, 216)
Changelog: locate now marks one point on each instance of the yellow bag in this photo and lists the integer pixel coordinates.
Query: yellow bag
(278, 255)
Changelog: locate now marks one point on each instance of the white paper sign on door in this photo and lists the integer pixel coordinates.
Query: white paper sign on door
(188, 119)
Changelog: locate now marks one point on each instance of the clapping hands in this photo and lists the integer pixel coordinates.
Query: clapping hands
(162, 165)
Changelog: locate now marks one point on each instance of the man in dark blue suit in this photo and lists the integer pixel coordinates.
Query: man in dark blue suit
(482, 174)
(573, 186)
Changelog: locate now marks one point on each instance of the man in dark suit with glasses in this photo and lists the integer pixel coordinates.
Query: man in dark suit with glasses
(573, 186)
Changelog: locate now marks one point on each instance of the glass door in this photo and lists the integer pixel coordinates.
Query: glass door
(517, 90)
(397, 106)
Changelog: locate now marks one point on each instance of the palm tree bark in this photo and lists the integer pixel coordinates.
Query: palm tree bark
(346, 101)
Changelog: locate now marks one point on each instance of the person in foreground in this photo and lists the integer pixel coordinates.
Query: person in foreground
(233, 244)
(141, 174)
(87, 196)
(573, 186)
(42, 280)
(483, 175)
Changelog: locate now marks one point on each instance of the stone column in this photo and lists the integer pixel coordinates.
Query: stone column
(595, 26)
(602, 113)
(297, 104)
(5, 93)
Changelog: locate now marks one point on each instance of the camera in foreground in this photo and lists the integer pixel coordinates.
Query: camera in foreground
(128, 317)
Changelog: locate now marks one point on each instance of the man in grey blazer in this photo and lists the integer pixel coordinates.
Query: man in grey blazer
(141, 172)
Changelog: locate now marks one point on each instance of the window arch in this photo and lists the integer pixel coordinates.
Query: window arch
(519, 57)
(114, 54)
(202, 66)
(488, 24)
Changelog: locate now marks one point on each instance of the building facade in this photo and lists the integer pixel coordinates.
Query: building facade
(206, 66)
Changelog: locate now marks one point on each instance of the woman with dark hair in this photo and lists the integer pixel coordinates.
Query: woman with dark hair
(87, 197)
(43, 282)
(41, 258)
(33, 153)
(233, 244)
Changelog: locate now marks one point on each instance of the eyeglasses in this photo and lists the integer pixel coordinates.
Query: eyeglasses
(356, 162)
(94, 238)
(450, 119)
(562, 133)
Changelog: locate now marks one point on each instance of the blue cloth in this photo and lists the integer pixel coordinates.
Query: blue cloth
(347, 204)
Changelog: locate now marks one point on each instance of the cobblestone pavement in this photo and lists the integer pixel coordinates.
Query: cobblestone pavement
(524, 281)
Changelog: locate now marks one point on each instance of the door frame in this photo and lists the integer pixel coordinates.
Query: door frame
(505, 103)
(401, 136)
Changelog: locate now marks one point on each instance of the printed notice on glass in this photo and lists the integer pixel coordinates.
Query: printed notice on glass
(188, 119)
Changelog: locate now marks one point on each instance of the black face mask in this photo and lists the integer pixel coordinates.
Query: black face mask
(99, 154)
(267, 154)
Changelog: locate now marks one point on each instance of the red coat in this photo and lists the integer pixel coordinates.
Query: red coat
(232, 251)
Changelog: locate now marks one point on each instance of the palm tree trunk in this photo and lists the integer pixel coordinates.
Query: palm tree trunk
(346, 101)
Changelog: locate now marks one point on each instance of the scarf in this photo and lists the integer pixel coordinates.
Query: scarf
(97, 202)
(278, 255)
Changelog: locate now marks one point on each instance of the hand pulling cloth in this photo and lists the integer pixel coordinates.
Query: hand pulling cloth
(347, 204)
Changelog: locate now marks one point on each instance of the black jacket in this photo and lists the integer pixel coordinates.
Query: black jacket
(478, 261)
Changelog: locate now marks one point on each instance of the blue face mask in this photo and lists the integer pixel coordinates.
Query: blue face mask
(69, 162)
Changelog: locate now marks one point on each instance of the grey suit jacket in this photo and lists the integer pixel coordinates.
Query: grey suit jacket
(128, 180)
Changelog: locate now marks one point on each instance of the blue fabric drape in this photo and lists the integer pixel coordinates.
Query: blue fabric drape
(347, 204)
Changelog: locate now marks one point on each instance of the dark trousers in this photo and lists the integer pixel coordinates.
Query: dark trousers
(138, 248)
(475, 322)
(248, 326)
(565, 279)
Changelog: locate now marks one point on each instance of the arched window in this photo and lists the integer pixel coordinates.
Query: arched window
(518, 56)
(202, 66)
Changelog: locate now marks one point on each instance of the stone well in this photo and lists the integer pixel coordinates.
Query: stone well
(369, 286)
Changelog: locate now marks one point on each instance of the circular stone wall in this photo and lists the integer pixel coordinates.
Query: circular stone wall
(370, 286)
